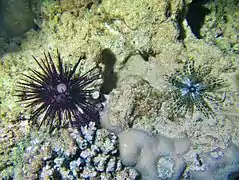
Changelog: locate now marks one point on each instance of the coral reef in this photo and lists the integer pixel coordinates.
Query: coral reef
(81, 154)
(132, 102)
(131, 30)
(218, 164)
(156, 157)
(11, 147)
(221, 25)
(96, 156)
(17, 16)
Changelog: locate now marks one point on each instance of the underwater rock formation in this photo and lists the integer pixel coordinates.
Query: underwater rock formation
(134, 103)
(148, 26)
(221, 25)
(219, 164)
(155, 157)
(10, 140)
(17, 16)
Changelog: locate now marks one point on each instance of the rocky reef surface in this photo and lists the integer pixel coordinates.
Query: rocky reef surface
(217, 164)
(137, 43)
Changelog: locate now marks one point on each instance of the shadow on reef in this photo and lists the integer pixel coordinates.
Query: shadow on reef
(234, 176)
(16, 18)
(196, 16)
(109, 76)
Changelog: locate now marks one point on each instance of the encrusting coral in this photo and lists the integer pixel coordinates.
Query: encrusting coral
(155, 157)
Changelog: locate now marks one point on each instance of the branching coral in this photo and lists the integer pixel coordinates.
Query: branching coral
(84, 153)
(194, 87)
(96, 157)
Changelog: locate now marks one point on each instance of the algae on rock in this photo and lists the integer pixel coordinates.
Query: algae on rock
(222, 25)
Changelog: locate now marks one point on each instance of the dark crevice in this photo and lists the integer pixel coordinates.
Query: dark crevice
(109, 76)
(196, 16)
(234, 175)
(16, 18)
(180, 18)
(168, 11)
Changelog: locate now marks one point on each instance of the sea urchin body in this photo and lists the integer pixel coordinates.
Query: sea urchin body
(59, 95)
(194, 87)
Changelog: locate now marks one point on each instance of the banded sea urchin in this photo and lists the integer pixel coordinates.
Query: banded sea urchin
(194, 87)
(59, 95)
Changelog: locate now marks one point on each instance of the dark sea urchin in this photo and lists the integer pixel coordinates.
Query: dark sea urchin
(194, 87)
(58, 95)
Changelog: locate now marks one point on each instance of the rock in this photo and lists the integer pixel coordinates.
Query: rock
(155, 157)
(17, 16)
